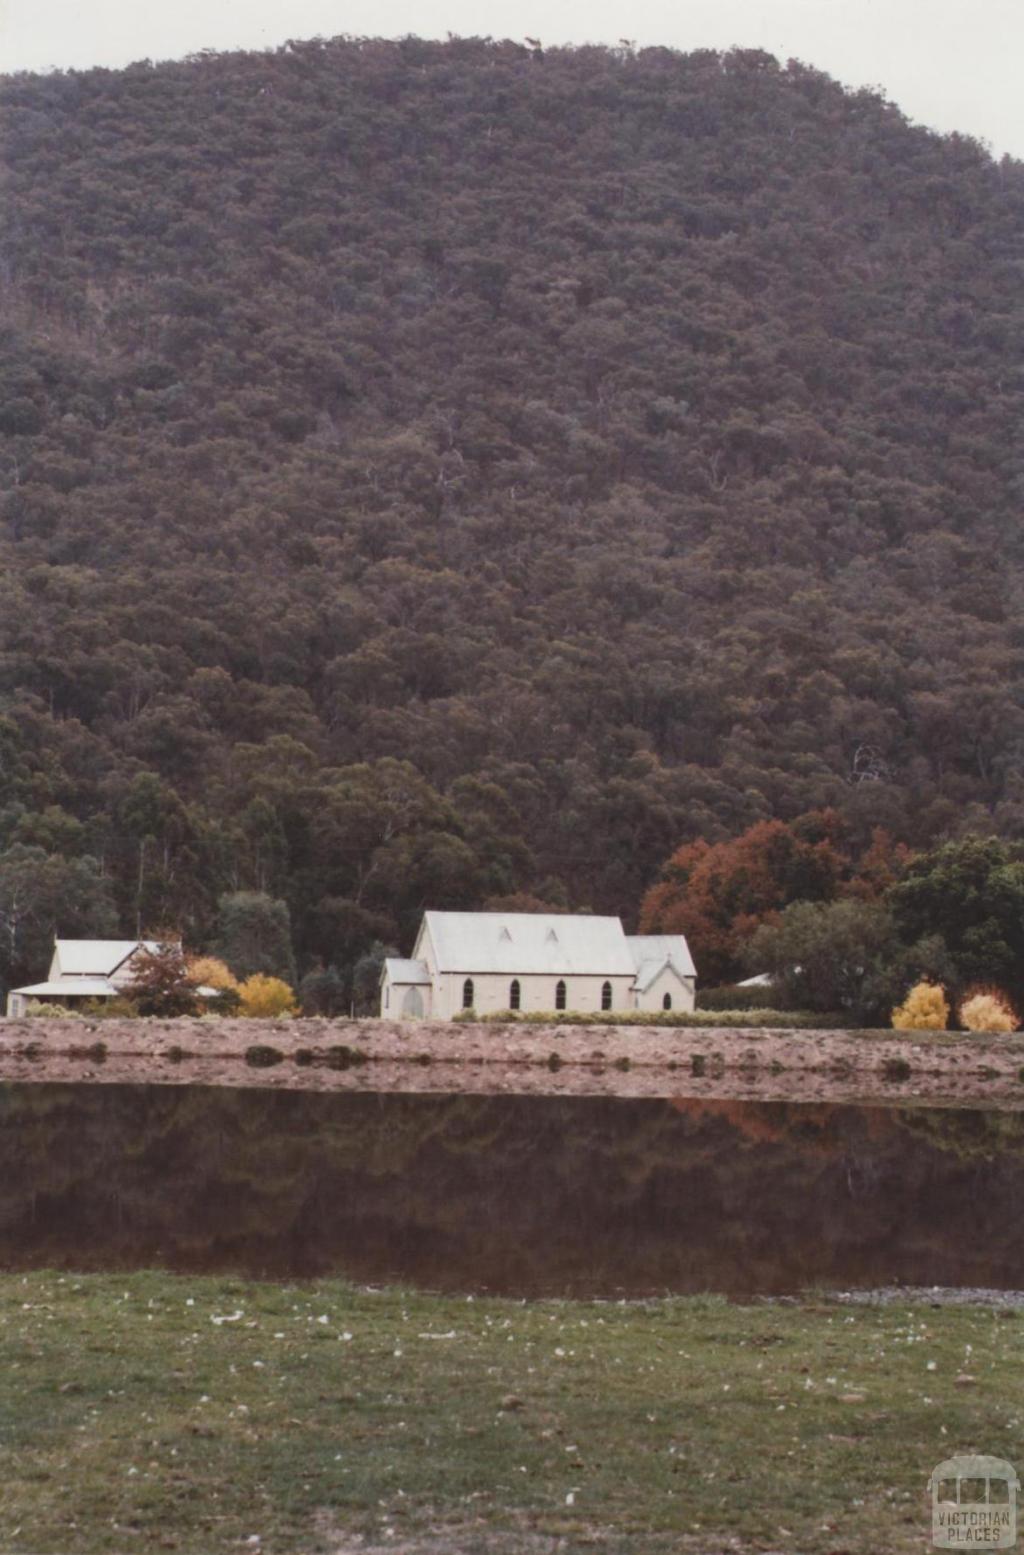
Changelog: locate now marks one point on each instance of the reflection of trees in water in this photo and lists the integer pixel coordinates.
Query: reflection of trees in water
(527, 1193)
(204, 1164)
(969, 1135)
(767, 1122)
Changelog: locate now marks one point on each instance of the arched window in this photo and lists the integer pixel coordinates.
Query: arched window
(666, 1003)
(560, 995)
(467, 994)
(513, 994)
(606, 996)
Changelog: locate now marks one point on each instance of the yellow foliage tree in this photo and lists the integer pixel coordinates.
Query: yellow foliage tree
(925, 1008)
(262, 995)
(211, 972)
(987, 1010)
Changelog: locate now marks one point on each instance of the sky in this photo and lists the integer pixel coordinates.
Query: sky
(949, 64)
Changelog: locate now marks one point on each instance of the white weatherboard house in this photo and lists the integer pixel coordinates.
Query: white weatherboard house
(488, 961)
(82, 969)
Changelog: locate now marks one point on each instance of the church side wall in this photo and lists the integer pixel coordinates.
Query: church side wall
(492, 992)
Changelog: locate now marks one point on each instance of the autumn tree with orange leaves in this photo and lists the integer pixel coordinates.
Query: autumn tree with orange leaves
(717, 894)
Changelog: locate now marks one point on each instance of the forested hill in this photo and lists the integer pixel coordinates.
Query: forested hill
(434, 471)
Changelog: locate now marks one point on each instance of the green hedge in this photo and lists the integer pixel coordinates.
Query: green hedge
(797, 1020)
(732, 998)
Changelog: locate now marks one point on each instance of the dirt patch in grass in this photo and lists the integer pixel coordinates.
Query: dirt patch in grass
(472, 1537)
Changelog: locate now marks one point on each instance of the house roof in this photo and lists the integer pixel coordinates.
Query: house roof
(546, 943)
(96, 957)
(75, 987)
(397, 971)
(647, 948)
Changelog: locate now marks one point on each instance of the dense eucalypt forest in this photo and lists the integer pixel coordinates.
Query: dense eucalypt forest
(438, 472)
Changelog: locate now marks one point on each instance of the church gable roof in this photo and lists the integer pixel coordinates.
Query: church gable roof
(529, 943)
(651, 952)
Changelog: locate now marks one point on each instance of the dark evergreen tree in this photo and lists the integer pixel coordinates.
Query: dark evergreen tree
(255, 935)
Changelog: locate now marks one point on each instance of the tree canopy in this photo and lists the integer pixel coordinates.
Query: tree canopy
(437, 472)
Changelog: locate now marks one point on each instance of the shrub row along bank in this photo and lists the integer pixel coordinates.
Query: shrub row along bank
(779, 1019)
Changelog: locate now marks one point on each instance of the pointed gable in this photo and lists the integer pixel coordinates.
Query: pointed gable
(653, 952)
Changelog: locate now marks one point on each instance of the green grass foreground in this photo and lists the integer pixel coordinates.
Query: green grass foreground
(152, 1411)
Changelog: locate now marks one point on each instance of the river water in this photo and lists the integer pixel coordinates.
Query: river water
(519, 1195)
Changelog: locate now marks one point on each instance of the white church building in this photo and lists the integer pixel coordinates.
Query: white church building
(490, 961)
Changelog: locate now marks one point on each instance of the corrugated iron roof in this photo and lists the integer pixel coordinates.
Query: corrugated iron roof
(545, 943)
(97, 957)
(74, 987)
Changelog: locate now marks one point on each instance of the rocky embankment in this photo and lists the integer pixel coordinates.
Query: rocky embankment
(940, 1068)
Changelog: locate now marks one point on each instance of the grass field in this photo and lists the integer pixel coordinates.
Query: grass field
(152, 1411)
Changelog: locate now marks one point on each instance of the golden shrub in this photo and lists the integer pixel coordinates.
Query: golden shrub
(261, 995)
(987, 1010)
(925, 1008)
(210, 972)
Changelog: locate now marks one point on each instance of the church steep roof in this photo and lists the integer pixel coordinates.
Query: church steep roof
(545, 943)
